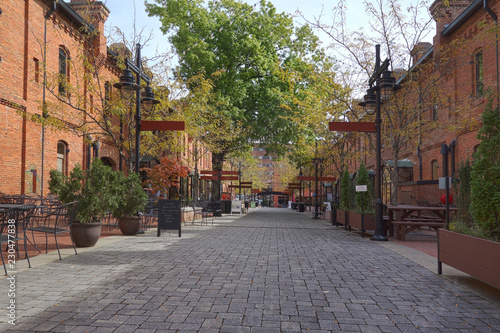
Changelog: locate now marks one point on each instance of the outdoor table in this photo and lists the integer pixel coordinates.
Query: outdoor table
(407, 218)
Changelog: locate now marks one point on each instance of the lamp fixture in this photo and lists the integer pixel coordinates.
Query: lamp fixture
(127, 84)
(149, 100)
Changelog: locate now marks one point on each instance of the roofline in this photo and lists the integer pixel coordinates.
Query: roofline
(464, 16)
(420, 61)
(65, 8)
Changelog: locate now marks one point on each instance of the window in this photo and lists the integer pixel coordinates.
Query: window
(478, 68)
(405, 174)
(37, 70)
(62, 150)
(434, 113)
(434, 169)
(63, 70)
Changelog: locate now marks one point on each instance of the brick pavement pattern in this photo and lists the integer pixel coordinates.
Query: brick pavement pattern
(273, 270)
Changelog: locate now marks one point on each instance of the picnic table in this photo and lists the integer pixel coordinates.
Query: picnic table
(406, 218)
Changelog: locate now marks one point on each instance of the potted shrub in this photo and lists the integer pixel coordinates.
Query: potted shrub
(363, 216)
(92, 189)
(130, 200)
(346, 198)
(472, 244)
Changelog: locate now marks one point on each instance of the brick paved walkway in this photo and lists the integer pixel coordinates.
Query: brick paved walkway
(274, 270)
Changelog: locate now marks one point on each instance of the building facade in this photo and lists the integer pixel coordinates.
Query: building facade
(461, 70)
(42, 78)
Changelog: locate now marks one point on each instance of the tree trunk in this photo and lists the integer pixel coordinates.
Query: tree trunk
(217, 163)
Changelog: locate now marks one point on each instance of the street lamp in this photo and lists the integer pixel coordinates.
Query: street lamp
(127, 87)
(317, 161)
(382, 86)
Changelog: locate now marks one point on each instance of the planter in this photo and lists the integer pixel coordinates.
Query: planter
(85, 235)
(130, 225)
(355, 221)
(342, 217)
(475, 256)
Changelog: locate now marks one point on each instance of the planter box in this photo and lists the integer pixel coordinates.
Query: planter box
(475, 256)
(355, 221)
(342, 217)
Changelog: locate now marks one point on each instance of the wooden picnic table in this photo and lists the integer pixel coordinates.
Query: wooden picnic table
(406, 218)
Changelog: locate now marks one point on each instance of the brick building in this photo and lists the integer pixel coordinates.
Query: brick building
(38, 35)
(463, 60)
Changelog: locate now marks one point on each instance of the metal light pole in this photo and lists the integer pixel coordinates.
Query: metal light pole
(382, 84)
(127, 88)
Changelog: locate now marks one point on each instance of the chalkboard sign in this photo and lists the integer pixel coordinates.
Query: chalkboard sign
(169, 215)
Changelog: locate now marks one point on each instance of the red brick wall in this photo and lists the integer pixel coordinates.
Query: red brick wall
(21, 141)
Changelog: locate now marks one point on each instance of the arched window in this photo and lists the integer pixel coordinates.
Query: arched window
(62, 150)
(434, 169)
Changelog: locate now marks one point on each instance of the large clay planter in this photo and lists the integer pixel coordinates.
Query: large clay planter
(130, 225)
(475, 256)
(85, 235)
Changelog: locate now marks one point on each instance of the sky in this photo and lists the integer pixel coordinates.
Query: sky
(126, 14)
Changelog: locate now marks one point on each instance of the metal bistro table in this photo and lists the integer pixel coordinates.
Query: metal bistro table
(406, 218)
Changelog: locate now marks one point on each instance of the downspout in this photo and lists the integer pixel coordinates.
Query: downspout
(44, 112)
(495, 18)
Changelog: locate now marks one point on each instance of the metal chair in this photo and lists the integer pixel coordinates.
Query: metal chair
(150, 215)
(56, 222)
(13, 229)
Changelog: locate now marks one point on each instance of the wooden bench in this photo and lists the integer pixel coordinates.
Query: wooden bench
(402, 228)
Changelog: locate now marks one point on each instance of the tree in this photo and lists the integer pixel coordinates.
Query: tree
(255, 54)
(165, 175)
(485, 183)
(83, 101)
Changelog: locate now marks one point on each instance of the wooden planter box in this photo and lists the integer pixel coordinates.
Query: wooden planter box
(355, 222)
(475, 256)
(342, 217)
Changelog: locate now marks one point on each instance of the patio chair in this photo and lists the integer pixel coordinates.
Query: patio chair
(56, 222)
(150, 215)
(14, 222)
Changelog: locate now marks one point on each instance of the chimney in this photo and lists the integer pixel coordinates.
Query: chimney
(444, 15)
(95, 13)
(419, 50)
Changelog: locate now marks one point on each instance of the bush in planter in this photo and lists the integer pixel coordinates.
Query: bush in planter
(91, 188)
(485, 182)
(131, 199)
(347, 191)
(363, 178)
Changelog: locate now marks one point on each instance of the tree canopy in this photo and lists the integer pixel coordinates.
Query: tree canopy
(262, 69)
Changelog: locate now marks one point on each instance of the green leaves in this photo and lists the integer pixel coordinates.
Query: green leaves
(485, 184)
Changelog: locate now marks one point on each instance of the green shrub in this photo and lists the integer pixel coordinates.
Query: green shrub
(363, 178)
(485, 179)
(347, 191)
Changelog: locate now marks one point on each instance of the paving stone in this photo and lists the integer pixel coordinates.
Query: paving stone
(274, 270)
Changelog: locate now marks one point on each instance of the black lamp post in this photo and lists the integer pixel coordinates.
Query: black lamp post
(382, 85)
(127, 87)
(317, 161)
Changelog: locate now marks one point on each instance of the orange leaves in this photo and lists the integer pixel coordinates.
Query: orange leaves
(166, 174)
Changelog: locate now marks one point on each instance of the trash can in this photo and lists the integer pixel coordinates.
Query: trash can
(227, 207)
(302, 207)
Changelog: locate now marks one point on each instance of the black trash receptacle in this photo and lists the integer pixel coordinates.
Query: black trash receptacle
(227, 206)
(302, 207)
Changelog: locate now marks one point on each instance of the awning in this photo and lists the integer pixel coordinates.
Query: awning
(406, 163)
